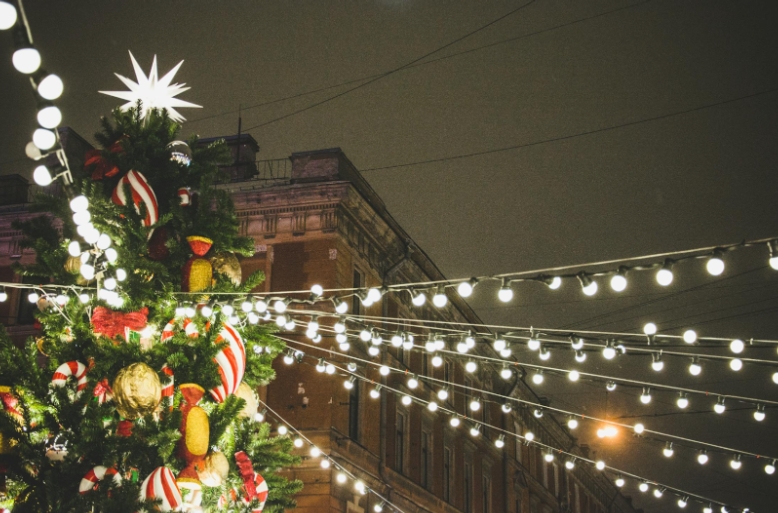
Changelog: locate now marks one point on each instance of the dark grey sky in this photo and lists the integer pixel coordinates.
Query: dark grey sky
(697, 179)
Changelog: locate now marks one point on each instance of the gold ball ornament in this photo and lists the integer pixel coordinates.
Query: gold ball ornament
(73, 265)
(214, 470)
(227, 264)
(246, 393)
(137, 391)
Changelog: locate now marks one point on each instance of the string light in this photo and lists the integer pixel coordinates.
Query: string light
(650, 328)
(505, 293)
(537, 377)
(735, 462)
(668, 451)
(572, 423)
(418, 298)
(773, 247)
(610, 386)
(619, 482)
(440, 299)
(682, 502)
(588, 285)
(645, 397)
(553, 282)
(657, 364)
(619, 280)
(690, 336)
(736, 364)
(737, 346)
(683, 400)
(759, 414)
(702, 458)
(643, 487)
(465, 288)
(376, 392)
(580, 356)
(719, 406)
(664, 276)
(695, 368)
(715, 265)
(573, 375)
(770, 468)
(500, 442)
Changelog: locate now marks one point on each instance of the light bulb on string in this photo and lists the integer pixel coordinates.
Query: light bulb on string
(500, 442)
(471, 366)
(475, 404)
(736, 364)
(282, 430)
(735, 462)
(440, 299)
(588, 285)
(600, 465)
(418, 298)
(42, 176)
(572, 423)
(49, 116)
(573, 375)
(645, 397)
(737, 346)
(664, 276)
(695, 368)
(619, 482)
(609, 352)
(545, 353)
(3, 295)
(505, 293)
(506, 408)
(470, 340)
(773, 247)
(44, 139)
(643, 487)
(349, 383)
(703, 458)
(280, 306)
(553, 282)
(454, 421)
(657, 364)
(475, 431)
(8, 15)
(683, 400)
(465, 288)
(341, 478)
(769, 469)
(432, 406)
(715, 264)
(658, 492)
(499, 344)
(505, 372)
(533, 344)
(619, 280)
(668, 451)
(682, 502)
(759, 414)
(406, 400)
(325, 463)
(373, 351)
(74, 248)
(529, 436)
(111, 255)
(375, 393)
(580, 356)
(413, 382)
(26, 59)
(341, 306)
(50, 87)
(537, 377)
(690, 336)
(443, 393)
(549, 456)
(384, 370)
(577, 343)
(650, 328)
(396, 340)
(719, 407)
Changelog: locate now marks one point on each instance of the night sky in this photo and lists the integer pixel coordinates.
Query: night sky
(635, 128)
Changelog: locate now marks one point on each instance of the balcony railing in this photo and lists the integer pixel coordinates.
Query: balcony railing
(259, 173)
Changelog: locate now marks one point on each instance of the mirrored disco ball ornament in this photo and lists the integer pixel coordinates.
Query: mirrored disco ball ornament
(180, 152)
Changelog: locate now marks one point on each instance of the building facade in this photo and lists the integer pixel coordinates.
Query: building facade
(315, 220)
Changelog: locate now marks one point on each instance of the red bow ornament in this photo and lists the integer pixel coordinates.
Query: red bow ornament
(110, 323)
(103, 168)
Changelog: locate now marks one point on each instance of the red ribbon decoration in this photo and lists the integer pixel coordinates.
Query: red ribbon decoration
(110, 323)
(102, 387)
(247, 474)
(124, 428)
(9, 403)
(103, 168)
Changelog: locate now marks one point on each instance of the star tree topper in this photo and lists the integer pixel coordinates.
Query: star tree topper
(154, 92)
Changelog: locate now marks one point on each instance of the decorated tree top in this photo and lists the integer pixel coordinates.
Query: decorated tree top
(139, 394)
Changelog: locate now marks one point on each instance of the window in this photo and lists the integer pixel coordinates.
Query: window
(26, 309)
(517, 444)
(353, 412)
(425, 364)
(359, 282)
(426, 459)
(399, 442)
(486, 494)
(448, 462)
(468, 491)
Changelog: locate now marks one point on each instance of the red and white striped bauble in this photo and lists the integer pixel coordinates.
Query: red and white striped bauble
(73, 368)
(231, 361)
(94, 476)
(141, 192)
(189, 326)
(161, 484)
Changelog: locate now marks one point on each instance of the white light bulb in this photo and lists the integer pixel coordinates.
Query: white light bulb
(330, 369)
(600, 465)
(505, 294)
(384, 370)
(695, 368)
(289, 326)
(419, 299)
(537, 378)
(279, 306)
(572, 423)
(499, 344)
(429, 346)
(51, 87)
(580, 356)
(505, 373)
(471, 366)
(475, 405)
(3, 296)
(103, 241)
(555, 283)
(474, 431)
(668, 451)
(735, 463)
(365, 335)
(590, 289)
(317, 290)
(533, 344)
(657, 365)
(609, 353)
(736, 364)
(549, 457)
(375, 394)
(770, 468)
(682, 402)
(44, 139)
(432, 406)
(261, 306)
(529, 435)
(41, 176)
(574, 375)
(406, 400)
(737, 346)
(440, 299)
(506, 408)
(499, 443)
(690, 336)
(396, 340)
(7, 15)
(681, 503)
(442, 394)
(84, 298)
(288, 359)
(27, 60)
(610, 386)
(111, 255)
(657, 493)
(643, 487)
(437, 361)
(619, 482)
(373, 295)
(664, 277)
(719, 407)
(649, 328)
(298, 442)
(110, 284)
(470, 342)
(702, 458)
(82, 217)
(344, 346)
(715, 266)
(413, 382)
(759, 414)
(462, 347)
(645, 398)
(774, 262)
(454, 421)
(618, 283)
(49, 117)
(91, 236)
(465, 289)
(87, 271)
(74, 248)
(544, 354)
(577, 343)
(33, 297)
(283, 430)
(252, 317)
(246, 307)
(341, 478)
(315, 452)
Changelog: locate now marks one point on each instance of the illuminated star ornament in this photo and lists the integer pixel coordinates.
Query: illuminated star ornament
(153, 92)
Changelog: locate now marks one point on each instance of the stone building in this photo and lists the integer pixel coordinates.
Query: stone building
(315, 220)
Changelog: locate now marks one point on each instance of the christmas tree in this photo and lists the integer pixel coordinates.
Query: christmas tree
(139, 394)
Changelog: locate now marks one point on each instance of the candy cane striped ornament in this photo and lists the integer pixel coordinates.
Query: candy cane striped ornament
(190, 328)
(73, 368)
(231, 361)
(161, 484)
(262, 492)
(168, 386)
(94, 476)
(141, 192)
